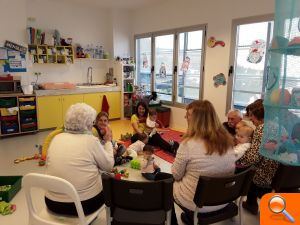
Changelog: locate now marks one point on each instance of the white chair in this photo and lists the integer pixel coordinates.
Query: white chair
(59, 185)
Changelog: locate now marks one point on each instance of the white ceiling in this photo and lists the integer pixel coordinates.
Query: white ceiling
(117, 4)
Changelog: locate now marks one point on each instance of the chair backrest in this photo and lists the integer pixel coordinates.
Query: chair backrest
(143, 196)
(220, 190)
(287, 179)
(54, 184)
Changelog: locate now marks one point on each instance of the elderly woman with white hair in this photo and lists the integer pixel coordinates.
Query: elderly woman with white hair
(78, 157)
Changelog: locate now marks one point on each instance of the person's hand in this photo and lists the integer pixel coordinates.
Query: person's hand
(108, 135)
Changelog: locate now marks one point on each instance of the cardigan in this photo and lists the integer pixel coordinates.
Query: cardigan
(190, 163)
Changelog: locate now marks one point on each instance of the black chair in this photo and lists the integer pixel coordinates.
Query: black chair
(137, 203)
(287, 179)
(212, 191)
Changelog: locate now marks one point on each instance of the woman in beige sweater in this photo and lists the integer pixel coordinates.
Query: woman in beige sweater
(206, 150)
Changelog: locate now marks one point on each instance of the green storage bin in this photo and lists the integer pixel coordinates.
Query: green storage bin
(8, 102)
(15, 182)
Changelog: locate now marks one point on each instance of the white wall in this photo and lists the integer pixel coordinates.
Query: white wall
(122, 33)
(12, 23)
(218, 15)
(85, 23)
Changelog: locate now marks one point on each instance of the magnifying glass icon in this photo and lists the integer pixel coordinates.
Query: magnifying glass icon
(277, 205)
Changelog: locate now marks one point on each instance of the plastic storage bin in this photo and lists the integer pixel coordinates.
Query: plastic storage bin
(15, 182)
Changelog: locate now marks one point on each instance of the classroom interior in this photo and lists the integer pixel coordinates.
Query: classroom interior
(118, 26)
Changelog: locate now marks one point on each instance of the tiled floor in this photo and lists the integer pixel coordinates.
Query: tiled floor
(19, 146)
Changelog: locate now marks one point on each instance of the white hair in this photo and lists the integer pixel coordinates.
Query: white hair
(236, 112)
(80, 118)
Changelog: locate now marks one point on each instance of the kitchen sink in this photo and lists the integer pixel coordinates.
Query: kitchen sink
(91, 86)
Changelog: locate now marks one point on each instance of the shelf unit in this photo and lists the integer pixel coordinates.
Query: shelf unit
(281, 137)
(46, 54)
(128, 82)
(17, 114)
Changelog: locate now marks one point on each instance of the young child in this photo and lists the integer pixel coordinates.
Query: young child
(137, 147)
(151, 123)
(243, 140)
(149, 167)
(244, 123)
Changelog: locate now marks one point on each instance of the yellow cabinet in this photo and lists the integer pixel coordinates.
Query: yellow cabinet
(52, 109)
(49, 111)
(94, 100)
(68, 100)
(114, 101)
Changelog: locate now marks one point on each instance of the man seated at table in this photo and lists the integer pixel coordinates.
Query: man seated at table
(233, 117)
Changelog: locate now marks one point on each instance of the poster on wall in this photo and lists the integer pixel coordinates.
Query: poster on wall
(12, 61)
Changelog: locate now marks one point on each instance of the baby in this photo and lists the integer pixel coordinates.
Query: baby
(149, 167)
(243, 140)
(151, 123)
(137, 147)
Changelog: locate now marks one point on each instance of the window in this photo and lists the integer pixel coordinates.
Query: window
(143, 63)
(249, 62)
(176, 71)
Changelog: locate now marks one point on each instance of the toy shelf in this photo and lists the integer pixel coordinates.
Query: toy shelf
(46, 54)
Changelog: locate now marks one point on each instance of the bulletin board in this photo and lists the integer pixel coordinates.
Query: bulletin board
(12, 60)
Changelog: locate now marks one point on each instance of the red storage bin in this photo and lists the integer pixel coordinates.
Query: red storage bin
(163, 115)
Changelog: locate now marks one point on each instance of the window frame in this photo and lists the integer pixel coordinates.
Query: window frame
(176, 33)
(232, 58)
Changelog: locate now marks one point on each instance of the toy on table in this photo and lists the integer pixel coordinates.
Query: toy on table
(135, 164)
(120, 173)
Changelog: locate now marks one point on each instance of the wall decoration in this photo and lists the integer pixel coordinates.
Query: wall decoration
(3, 54)
(162, 71)
(14, 46)
(185, 64)
(212, 42)
(14, 62)
(145, 61)
(219, 79)
(257, 51)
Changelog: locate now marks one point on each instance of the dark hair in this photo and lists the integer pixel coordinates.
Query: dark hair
(258, 112)
(100, 114)
(148, 148)
(141, 136)
(255, 104)
(143, 104)
(152, 112)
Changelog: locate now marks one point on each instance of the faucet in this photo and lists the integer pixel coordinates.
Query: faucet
(88, 76)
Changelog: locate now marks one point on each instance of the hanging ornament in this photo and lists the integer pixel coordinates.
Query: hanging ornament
(145, 61)
(257, 51)
(162, 71)
(185, 64)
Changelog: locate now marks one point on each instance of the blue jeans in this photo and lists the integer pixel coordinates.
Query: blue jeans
(151, 176)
